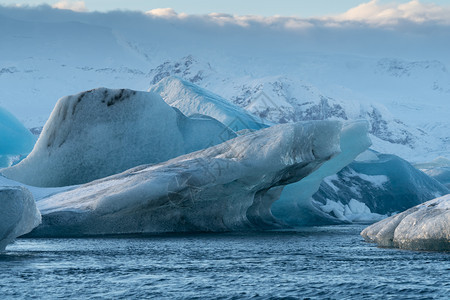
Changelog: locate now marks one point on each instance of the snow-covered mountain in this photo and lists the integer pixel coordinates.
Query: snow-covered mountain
(400, 123)
(396, 78)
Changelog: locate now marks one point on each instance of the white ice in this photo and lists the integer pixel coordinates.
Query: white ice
(423, 227)
(225, 187)
(353, 212)
(102, 132)
(191, 100)
(18, 214)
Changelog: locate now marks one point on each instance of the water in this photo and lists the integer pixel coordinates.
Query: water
(322, 262)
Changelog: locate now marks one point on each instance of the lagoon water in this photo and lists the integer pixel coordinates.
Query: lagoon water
(331, 262)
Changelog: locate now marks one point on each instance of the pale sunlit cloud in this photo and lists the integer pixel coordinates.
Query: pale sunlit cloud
(375, 13)
(162, 13)
(78, 6)
(372, 13)
(228, 19)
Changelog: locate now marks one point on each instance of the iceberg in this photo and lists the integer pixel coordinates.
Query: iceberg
(18, 214)
(230, 186)
(191, 100)
(423, 227)
(15, 139)
(385, 184)
(102, 132)
(369, 189)
(295, 206)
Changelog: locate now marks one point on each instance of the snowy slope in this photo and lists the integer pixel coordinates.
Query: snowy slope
(42, 62)
(400, 121)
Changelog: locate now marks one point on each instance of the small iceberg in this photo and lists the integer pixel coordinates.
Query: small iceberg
(19, 214)
(423, 227)
(15, 139)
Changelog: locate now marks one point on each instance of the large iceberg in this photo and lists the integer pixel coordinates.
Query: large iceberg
(191, 100)
(423, 227)
(369, 189)
(15, 139)
(229, 186)
(380, 184)
(18, 214)
(102, 132)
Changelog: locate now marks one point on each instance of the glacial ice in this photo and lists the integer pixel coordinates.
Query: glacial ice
(191, 100)
(229, 186)
(102, 132)
(295, 206)
(15, 139)
(353, 211)
(385, 183)
(368, 181)
(18, 214)
(423, 227)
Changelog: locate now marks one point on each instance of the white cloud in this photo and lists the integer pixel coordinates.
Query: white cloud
(162, 12)
(375, 13)
(372, 13)
(78, 6)
(227, 19)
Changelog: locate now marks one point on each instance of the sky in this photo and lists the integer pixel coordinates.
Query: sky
(299, 8)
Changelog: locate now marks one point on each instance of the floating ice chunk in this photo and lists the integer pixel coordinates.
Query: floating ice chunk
(335, 208)
(191, 100)
(357, 207)
(354, 211)
(102, 132)
(423, 227)
(18, 214)
(230, 186)
(15, 139)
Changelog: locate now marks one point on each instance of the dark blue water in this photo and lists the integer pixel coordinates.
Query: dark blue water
(322, 262)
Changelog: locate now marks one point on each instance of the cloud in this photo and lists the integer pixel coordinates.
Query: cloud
(375, 13)
(412, 30)
(162, 13)
(372, 13)
(78, 6)
(223, 19)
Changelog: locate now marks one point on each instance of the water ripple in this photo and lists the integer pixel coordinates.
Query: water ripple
(322, 262)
